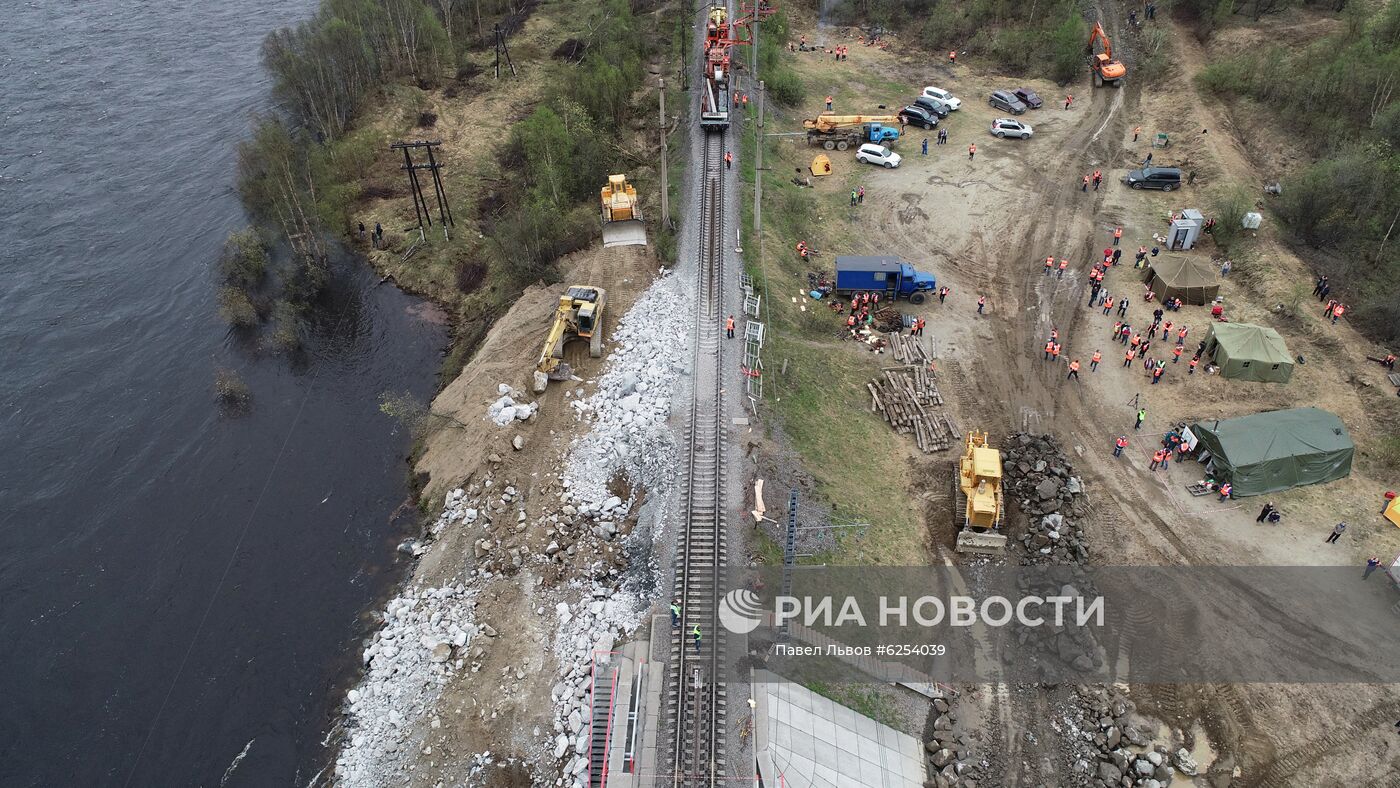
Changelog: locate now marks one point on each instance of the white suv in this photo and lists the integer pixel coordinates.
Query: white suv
(871, 153)
(944, 96)
(1009, 127)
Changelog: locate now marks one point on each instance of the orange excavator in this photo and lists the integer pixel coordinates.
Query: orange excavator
(1105, 68)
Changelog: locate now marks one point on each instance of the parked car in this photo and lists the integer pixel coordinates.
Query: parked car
(1028, 97)
(1164, 178)
(871, 153)
(915, 115)
(944, 96)
(933, 105)
(1007, 127)
(1004, 100)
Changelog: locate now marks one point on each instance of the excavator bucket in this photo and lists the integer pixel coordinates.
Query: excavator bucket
(986, 542)
(630, 232)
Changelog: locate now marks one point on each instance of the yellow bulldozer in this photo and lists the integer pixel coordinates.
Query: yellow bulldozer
(977, 497)
(622, 221)
(579, 316)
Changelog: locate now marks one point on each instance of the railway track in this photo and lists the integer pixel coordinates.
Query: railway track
(697, 690)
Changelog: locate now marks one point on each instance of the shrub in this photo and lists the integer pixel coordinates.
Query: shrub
(236, 308)
(1228, 209)
(234, 396)
(286, 325)
(785, 87)
(243, 261)
(470, 275)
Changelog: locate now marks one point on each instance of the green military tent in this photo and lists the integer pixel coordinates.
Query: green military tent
(1248, 352)
(1191, 280)
(1275, 450)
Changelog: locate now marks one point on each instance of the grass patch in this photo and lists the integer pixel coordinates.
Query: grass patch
(860, 698)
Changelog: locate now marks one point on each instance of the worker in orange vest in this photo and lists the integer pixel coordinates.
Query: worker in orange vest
(1119, 445)
(1194, 362)
(828, 103)
(1225, 490)
(1063, 265)
(1176, 354)
(1055, 352)
(1049, 264)
(1049, 348)
(1117, 235)
(729, 326)
(1068, 100)
(1156, 460)
(1337, 312)
(1136, 132)
(1137, 340)
(1085, 187)
(971, 151)
(1128, 357)
(1073, 370)
(981, 303)
(952, 57)
(1181, 336)
(1094, 361)
(728, 159)
(1166, 330)
(1098, 179)
(1108, 307)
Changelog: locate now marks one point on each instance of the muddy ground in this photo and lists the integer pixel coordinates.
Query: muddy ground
(984, 225)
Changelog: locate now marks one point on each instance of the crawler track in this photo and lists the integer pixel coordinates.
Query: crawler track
(697, 701)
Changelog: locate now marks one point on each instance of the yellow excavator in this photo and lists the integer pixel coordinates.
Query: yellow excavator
(580, 315)
(1105, 68)
(977, 497)
(622, 221)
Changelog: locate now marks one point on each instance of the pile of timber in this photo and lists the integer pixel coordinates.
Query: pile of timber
(889, 319)
(909, 399)
(908, 350)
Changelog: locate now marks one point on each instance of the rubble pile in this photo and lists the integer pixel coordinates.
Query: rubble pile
(426, 637)
(629, 409)
(949, 753)
(1039, 477)
(1111, 751)
(508, 408)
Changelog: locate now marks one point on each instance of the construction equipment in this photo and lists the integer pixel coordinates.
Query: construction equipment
(622, 221)
(977, 497)
(1105, 68)
(579, 316)
(839, 132)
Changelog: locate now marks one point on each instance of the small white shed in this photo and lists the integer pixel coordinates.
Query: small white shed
(1185, 229)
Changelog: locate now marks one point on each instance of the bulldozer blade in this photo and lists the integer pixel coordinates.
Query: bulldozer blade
(561, 372)
(987, 543)
(630, 232)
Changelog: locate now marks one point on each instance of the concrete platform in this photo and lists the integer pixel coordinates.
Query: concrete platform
(803, 739)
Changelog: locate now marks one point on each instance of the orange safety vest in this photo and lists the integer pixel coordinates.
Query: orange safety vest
(1118, 232)
(729, 323)
(1338, 310)
(1156, 372)
(953, 54)
(1129, 355)
(1064, 264)
(1049, 261)
(1176, 351)
(1097, 357)
(1181, 334)
(828, 99)
(1108, 303)
(1157, 456)
(1137, 340)
(1121, 443)
(1055, 351)
(1086, 178)
(981, 300)
(1074, 366)
(1194, 361)
(1225, 489)
(728, 156)
(972, 148)
(1049, 347)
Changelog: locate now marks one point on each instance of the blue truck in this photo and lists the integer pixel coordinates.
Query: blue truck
(885, 273)
(839, 132)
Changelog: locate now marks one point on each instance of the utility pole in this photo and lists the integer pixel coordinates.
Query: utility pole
(500, 49)
(420, 201)
(665, 183)
(758, 167)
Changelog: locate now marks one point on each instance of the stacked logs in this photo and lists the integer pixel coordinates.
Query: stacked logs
(907, 396)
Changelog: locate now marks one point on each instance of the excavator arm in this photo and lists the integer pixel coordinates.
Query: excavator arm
(829, 122)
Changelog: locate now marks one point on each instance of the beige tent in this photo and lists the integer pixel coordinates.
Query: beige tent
(821, 165)
(1193, 281)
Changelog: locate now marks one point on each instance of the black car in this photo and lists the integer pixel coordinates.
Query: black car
(1164, 178)
(932, 106)
(1028, 97)
(915, 115)
(1004, 100)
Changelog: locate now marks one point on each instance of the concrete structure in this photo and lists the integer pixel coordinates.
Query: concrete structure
(802, 739)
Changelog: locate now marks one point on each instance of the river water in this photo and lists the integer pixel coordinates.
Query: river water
(176, 588)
